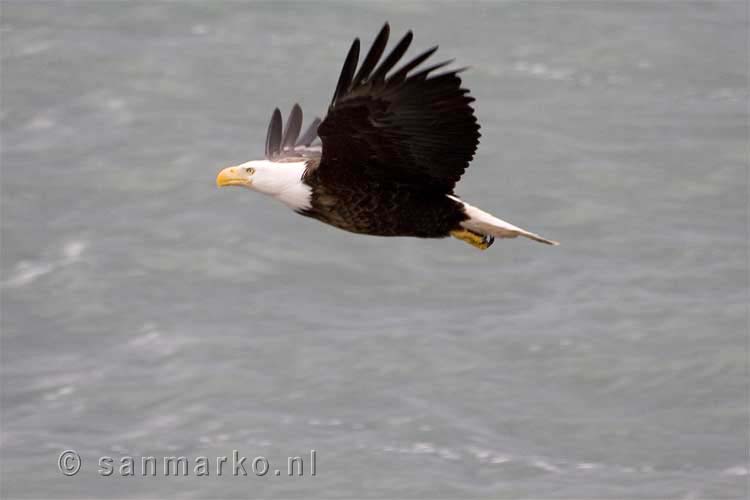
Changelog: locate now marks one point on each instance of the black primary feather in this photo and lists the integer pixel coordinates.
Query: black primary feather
(392, 58)
(373, 55)
(273, 136)
(400, 75)
(347, 72)
(310, 134)
(292, 129)
(422, 74)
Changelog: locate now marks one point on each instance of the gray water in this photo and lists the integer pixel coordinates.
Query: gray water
(147, 313)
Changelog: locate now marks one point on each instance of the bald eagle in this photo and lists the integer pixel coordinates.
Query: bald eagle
(391, 148)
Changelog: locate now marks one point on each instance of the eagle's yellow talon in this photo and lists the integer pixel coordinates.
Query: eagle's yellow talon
(474, 239)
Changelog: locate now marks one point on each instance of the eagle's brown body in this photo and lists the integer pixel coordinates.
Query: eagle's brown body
(383, 209)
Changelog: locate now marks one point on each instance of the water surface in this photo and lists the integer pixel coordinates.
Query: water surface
(145, 312)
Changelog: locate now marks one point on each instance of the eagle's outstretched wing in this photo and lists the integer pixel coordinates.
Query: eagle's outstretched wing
(290, 144)
(405, 127)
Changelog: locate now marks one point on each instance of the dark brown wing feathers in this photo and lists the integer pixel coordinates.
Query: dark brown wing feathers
(290, 144)
(416, 129)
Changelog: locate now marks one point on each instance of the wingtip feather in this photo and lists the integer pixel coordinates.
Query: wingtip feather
(273, 135)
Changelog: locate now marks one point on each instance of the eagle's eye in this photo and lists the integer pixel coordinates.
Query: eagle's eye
(250, 170)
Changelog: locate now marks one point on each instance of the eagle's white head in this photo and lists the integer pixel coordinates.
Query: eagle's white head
(282, 180)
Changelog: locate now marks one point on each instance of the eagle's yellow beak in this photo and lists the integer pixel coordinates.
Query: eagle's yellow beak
(233, 176)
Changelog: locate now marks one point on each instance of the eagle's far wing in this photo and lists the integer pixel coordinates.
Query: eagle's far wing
(404, 127)
(289, 144)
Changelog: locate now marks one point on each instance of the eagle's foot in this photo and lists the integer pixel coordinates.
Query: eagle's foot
(480, 241)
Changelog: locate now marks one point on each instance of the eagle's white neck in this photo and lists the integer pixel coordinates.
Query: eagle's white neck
(282, 180)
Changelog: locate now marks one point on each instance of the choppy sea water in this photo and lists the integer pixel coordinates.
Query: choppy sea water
(146, 313)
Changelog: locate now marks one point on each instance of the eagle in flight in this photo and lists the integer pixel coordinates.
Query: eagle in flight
(391, 148)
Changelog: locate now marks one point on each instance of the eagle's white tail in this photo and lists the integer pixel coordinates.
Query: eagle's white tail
(481, 222)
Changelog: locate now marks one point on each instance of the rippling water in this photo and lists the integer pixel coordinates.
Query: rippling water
(145, 312)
